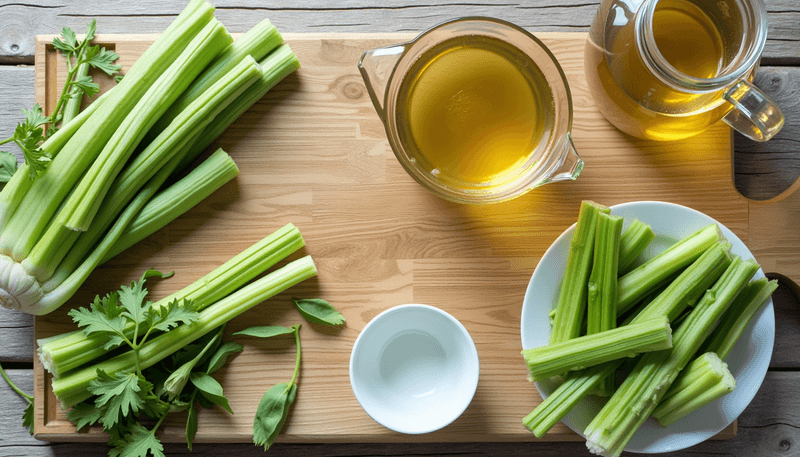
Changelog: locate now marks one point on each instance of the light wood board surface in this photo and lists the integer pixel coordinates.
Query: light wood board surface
(314, 153)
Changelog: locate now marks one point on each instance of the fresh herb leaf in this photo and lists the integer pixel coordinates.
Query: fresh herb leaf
(273, 409)
(34, 117)
(221, 356)
(8, 165)
(27, 417)
(319, 311)
(91, 28)
(84, 414)
(118, 78)
(164, 318)
(67, 43)
(132, 298)
(210, 389)
(103, 60)
(86, 85)
(265, 331)
(118, 395)
(191, 425)
(139, 442)
(28, 136)
(104, 316)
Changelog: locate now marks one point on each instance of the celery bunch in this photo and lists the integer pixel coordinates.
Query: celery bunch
(98, 196)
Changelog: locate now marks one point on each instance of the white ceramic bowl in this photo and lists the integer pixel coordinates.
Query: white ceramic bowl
(414, 368)
(748, 361)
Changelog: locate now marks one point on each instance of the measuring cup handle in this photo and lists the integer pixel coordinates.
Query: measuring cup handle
(754, 114)
(376, 67)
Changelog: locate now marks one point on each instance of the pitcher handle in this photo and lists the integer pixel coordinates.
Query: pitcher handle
(570, 163)
(376, 67)
(754, 114)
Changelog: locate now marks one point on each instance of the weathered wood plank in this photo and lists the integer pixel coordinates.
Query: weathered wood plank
(16, 92)
(16, 336)
(22, 21)
(770, 426)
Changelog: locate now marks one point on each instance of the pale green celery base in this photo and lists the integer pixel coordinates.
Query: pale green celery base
(584, 351)
(172, 202)
(72, 388)
(637, 397)
(571, 307)
(634, 241)
(639, 282)
(703, 380)
(71, 350)
(44, 197)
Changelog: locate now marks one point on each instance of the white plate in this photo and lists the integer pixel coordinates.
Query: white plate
(748, 361)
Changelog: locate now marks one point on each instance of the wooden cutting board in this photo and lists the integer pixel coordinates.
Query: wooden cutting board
(313, 152)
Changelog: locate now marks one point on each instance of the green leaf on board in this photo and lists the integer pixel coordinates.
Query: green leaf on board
(319, 311)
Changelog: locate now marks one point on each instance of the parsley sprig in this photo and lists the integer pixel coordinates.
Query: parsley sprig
(27, 416)
(30, 134)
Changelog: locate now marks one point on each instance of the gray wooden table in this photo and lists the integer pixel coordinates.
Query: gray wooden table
(770, 426)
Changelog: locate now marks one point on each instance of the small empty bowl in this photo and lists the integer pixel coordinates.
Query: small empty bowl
(414, 369)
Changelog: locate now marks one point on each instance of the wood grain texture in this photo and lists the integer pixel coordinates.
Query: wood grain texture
(769, 427)
(380, 240)
(23, 20)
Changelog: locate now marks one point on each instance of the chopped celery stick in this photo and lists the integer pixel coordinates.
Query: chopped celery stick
(65, 352)
(571, 305)
(639, 282)
(692, 283)
(72, 388)
(204, 180)
(634, 401)
(634, 241)
(602, 294)
(708, 379)
(586, 351)
(735, 320)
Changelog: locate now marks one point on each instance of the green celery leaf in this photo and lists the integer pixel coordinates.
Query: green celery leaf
(139, 442)
(210, 389)
(166, 317)
(91, 28)
(85, 83)
(83, 414)
(319, 311)
(67, 42)
(27, 417)
(28, 136)
(191, 426)
(103, 60)
(273, 409)
(221, 356)
(132, 298)
(265, 331)
(34, 117)
(8, 165)
(118, 395)
(104, 316)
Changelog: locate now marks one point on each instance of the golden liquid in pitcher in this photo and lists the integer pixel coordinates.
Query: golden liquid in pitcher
(470, 115)
(635, 100)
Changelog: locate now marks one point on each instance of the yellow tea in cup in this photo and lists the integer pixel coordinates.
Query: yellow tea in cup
(474, 109)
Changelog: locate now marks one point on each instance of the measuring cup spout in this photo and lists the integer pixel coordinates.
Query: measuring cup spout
(570, 163)
(376, 67)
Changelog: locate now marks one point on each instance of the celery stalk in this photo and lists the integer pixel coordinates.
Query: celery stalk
(85, 200)
(73, 106)
(634, 241)
(585, 351)
(612, 428)
(68, 351)
(692, 389)
(154, 159)
(256, 42)
(685, 291)
(204, 180)
(707, 379)
(72, 388)
(571, 305)
(639, 282)
(48, 191)
(602, 294)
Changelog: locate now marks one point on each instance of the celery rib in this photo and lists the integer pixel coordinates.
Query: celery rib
(634, 241)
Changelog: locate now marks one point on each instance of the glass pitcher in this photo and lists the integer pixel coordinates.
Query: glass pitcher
(476, 109)
(669, 69)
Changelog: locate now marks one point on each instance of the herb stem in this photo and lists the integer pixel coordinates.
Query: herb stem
(297, 361)
(29, 398)
(7, 140)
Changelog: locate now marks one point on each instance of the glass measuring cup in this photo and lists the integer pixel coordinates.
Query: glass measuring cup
(456, 141)
(669, 69)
